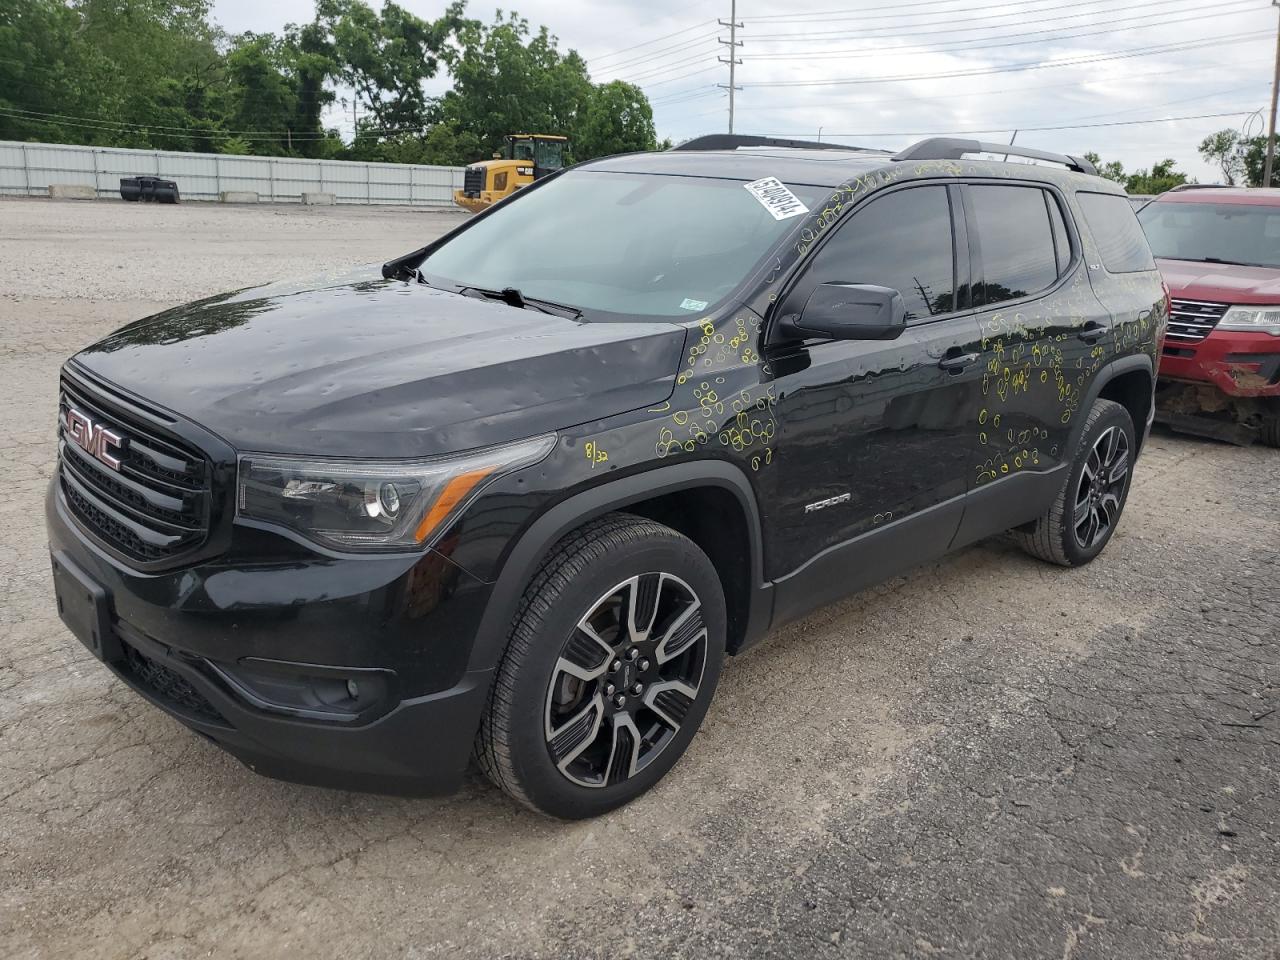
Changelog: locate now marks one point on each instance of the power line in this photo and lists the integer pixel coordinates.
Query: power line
(955, 15)
(790, 108)
(952, 27)
(664, 70)
(607, 56)
(827, 14)
(1021, 128)
(1180, 47)
(661, 54)
(1007, 40)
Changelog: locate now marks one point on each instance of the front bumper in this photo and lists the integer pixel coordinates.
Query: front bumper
(1239, 364)
(476, 202)
(245, 652)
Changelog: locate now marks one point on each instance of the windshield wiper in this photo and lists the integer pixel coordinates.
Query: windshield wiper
(514, 298)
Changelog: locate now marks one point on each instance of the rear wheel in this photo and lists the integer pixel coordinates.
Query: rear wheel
(1085, 513)
(612, 662)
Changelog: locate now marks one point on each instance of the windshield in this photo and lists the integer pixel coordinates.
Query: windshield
(1230, 232)
(522, 150)
(548, 154)
(634, 244)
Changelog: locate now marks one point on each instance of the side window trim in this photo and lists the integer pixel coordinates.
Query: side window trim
(1051, 192)
(803, 265)
(962, 267)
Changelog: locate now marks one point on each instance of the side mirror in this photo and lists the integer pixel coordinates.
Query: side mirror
(848, 311)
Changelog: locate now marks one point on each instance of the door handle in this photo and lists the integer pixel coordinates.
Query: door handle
(955, 361)
(1092, 332)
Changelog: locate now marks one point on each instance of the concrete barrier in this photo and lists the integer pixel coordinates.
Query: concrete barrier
(318, 199)
(72, 191)
(238, 196)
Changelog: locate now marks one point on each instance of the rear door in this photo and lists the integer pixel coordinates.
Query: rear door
(1043, 331)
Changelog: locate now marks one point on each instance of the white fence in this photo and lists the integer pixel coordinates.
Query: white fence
(27, 169)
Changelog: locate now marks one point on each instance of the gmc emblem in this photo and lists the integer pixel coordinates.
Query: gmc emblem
(94, 438)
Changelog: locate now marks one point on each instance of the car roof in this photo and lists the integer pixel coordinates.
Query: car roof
(822, 168)
(826, 167)
(1259, 196)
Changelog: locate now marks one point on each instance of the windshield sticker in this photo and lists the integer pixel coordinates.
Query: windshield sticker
(688, 304)
(774, 196)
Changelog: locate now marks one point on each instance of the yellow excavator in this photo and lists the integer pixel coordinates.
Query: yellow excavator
(526, 157)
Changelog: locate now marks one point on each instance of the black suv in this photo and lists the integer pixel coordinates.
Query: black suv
(519, 494)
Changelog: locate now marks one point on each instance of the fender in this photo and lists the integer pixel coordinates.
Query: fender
(567, 515)
(1135, 361)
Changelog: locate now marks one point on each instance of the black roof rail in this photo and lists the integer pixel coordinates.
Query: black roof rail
(951, 148)
(731, 141)
(1199, 186)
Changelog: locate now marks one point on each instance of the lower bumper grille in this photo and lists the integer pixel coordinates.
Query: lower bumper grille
(168, 686)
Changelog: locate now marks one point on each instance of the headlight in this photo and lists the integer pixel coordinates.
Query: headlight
(374, 504)
(1254, 319)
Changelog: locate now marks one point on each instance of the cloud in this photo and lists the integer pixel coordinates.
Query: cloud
(807, 41)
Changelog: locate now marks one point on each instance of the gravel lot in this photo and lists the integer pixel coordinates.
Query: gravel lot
(987, 758)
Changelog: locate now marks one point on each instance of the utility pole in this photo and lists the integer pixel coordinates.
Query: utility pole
(1275, 87)
(733, 43)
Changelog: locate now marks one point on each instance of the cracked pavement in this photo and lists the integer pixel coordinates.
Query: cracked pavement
(989, 757)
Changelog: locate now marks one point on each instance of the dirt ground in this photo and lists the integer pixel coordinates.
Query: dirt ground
(988, 758)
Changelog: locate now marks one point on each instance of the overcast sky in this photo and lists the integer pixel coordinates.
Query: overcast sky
(810, 64)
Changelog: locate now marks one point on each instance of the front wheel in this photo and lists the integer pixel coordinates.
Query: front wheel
(1085, 513)
(612, 662)
(1270, 432)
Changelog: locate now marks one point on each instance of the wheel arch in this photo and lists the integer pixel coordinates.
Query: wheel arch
(1129, 381)
(696, 498)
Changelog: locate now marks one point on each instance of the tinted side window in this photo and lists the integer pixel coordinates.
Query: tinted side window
(902, 240)
(1115, 229)
(1016, 240)
(1061, 241)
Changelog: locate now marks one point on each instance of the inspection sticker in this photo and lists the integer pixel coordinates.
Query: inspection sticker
(690, 304)
(776, 198)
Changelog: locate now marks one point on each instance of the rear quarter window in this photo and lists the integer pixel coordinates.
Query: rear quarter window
(1115, 229)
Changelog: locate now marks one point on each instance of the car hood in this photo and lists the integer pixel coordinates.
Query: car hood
(1221, 282)
(359, 366)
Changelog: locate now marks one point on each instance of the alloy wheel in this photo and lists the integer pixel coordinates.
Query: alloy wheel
(625, 680)
(1101, 490)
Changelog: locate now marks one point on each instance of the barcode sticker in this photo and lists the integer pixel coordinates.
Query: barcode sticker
(776, 198)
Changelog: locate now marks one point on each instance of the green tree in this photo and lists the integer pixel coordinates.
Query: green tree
(1111, 170)
(44, 73)
(1253, 155)
(507, 79)
(262, 99)
(617, 119)
(310, 60)
(386, 58)
(1162, 177)
(1225, 149)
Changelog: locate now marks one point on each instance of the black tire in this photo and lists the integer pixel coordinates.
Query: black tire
(597, 571)
(1056, 537)
(1270, 432)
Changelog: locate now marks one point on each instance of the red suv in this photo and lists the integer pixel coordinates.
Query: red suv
(1219, 251)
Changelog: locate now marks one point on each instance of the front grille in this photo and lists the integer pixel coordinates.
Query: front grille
(473, 180)
(169, 687)
(1190, 321)
(156, 505)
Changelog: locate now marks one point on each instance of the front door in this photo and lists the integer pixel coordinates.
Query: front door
(875, 441)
